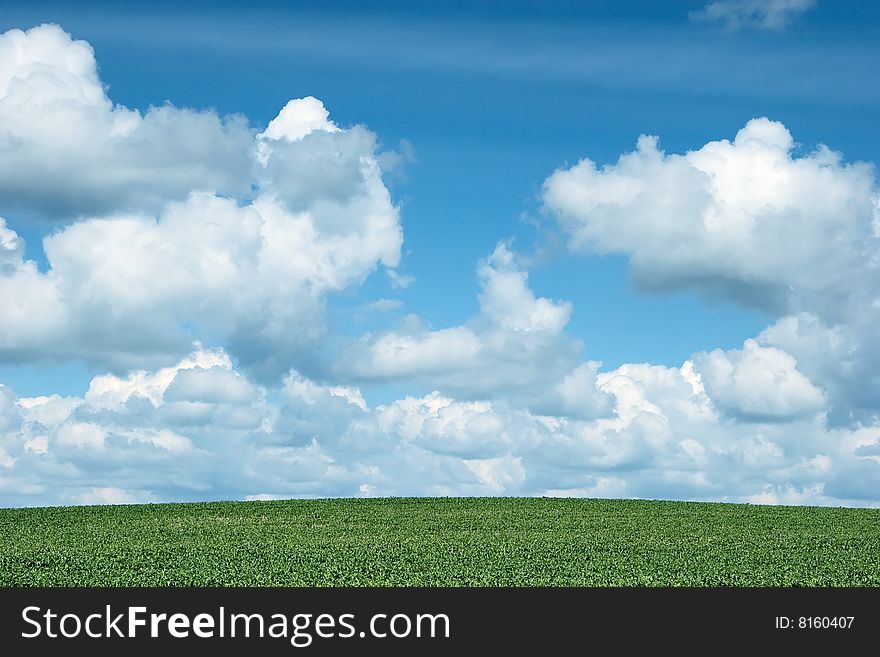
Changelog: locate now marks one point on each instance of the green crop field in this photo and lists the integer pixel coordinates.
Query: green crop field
(440, 542)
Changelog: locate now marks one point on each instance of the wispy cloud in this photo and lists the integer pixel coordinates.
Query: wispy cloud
(385, 305)
(399, 281)
(761, 14)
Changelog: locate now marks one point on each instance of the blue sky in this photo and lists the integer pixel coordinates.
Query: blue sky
(472, 108)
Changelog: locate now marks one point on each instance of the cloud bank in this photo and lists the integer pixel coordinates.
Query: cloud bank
(193, 257)
(202, 430)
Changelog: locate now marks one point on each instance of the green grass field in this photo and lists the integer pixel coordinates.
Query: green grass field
(440, 542)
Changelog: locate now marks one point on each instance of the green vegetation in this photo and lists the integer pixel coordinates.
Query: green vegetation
(440, 542)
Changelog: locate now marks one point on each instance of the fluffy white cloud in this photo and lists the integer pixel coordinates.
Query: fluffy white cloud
(212, 233)
(764, 14)
(508, 303)
(11, 247)
(844, 358)
(798, 235)
(441, 425)
(758, 382)
(206, 230)
(108, 495)
(133, 290)
(415, 351)
(67, 150)
(578, 395)
(300, 117)
(212, 386)
(112, 392)
(664, 438)
(82, 434)
(399, 281)
(515, 348)
(49, 410)
(747, 218)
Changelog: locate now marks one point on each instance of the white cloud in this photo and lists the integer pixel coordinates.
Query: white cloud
(441, 425)
(263, 497)
(578, 395)
(216, 385)
(108, 495)
(11, 247)
(213, 234)
(108, 391)
(115, 159)
(133, 290)
(298, 118)
(663, 438)
(759, 383)
(48, 410)
(334, 174)
(507, 301)
(752, 220)
(397, 354)
(658, 392)
(763, 14)
(788, 495)
(748, 219)
(384, 305)
(36, 444)
(163, 438)
(844, 358)
(193, 228)
(302, 389)
(83, 435)
(499, 474)
(10, 413)
(515, 347)
(399, 281)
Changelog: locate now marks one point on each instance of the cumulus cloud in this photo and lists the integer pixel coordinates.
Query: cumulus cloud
(844, 358)
(205, 231)
(11, 248)
(758, 382)
(297, 119)
(508, 303)
(664, 438)
(116, 158)
(108, 495)
(189, 227)
(134, 290)
(762, 14)
(578, 395)
(748, 219)
(213, 386)
(112, 392)
(470, 429)
(754, 221)
(515, 348)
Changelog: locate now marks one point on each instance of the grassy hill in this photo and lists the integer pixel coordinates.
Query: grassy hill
(440, 542)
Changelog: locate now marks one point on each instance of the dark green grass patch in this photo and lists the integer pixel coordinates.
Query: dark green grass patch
(440, 542)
